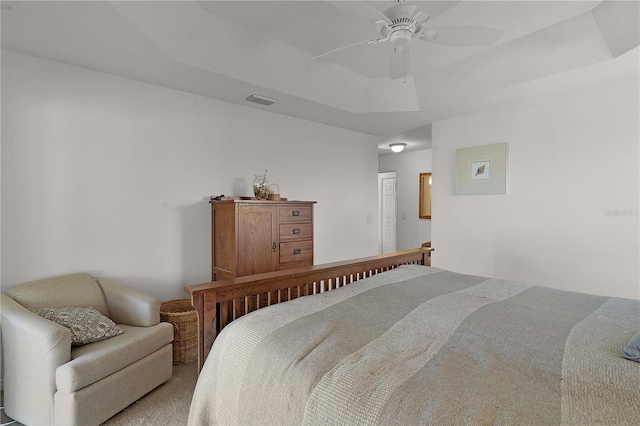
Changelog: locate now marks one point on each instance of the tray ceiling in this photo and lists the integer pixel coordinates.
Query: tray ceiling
(229, 49)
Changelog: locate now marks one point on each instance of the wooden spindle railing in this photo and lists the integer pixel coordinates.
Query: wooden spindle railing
(220, 302)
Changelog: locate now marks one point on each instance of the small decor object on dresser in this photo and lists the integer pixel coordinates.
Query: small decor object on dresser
(274, 193)
(261, 186)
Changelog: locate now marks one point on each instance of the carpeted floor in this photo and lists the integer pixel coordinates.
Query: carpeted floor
(168, 404)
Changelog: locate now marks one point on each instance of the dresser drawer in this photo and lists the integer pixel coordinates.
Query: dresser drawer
(296, 231)
(295, 213)
(296, 251)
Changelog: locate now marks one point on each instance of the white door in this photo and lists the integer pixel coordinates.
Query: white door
(388, 211)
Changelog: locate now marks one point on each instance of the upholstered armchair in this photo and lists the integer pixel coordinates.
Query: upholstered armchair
(47, 380)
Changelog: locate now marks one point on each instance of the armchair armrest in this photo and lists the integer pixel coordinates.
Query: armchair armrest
(33, 348)
(128, 305)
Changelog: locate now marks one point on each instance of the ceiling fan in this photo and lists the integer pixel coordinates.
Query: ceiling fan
(401, 23)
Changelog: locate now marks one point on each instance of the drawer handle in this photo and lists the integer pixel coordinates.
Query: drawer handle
(295, 213)
(297, 251)
(296, 230)
(274, 247)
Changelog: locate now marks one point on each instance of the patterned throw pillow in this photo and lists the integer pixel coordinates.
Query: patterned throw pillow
(86, 324)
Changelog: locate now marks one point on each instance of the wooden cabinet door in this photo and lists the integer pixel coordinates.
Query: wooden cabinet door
(257, 239)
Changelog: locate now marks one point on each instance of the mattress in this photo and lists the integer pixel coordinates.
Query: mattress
(422, 345)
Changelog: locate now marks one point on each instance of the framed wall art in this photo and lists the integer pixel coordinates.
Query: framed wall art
(482, 170)
(424, 203)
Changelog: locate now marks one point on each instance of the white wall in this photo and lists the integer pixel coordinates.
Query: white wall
(573, 160)
(112, 176)
(411, 231)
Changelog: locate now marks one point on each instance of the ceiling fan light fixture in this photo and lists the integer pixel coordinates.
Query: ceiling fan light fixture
(400, 38)
(397, 146)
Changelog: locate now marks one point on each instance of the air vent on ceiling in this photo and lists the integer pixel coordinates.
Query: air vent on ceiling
(261, 99)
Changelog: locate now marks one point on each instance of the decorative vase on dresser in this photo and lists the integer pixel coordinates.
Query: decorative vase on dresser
(255, 236)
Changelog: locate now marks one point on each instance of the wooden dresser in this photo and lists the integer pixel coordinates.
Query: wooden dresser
(254, 236)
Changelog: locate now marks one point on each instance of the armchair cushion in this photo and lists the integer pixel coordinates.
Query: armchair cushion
(86, 324)
(90, 363)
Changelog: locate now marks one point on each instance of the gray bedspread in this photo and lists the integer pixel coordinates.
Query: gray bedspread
(420, 345)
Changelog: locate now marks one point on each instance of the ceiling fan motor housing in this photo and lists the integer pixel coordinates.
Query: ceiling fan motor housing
(401, 30)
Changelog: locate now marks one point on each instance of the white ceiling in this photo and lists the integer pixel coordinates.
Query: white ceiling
(229, 49)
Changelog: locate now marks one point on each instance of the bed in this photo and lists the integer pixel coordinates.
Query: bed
(405, 343)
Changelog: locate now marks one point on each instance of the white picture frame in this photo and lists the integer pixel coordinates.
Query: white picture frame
(482, 170)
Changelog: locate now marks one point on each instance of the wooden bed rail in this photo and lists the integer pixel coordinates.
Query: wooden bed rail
(220, 302)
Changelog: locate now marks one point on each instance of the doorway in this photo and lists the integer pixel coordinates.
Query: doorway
(387, 207)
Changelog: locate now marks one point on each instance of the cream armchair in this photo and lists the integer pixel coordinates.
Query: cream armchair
(49, 381)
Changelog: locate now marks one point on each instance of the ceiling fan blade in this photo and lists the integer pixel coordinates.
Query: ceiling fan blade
(361, 10)
(399, 63)
(462, 36)
(435, 8)
(371, 41)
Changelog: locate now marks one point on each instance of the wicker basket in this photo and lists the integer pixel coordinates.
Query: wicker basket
(184, 318)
